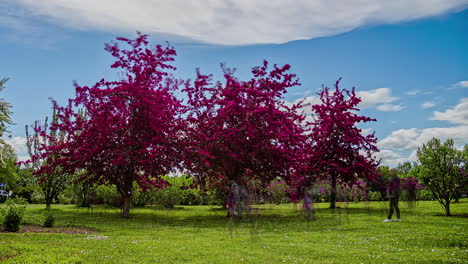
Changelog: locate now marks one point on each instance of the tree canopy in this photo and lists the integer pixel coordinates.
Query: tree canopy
(131, 129)
(5, 119)
(336, 147)
(243, 130)
(443, 170)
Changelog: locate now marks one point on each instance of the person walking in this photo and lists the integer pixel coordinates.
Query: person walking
(394, 194)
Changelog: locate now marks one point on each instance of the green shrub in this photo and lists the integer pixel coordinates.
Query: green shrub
(175, 193)
(142, 198)
(375, 196)
(13, 214)
(277, 192)
(68, 195)
(49, 218)
(424, 195)
(107, 194)
(213, 197)
(27, 192)
(193, 197)
(37, 197)
(83, 194)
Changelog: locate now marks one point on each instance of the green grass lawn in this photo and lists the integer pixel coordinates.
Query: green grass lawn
(279, 234)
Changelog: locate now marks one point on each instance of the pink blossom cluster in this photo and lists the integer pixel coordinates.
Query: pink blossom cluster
(411, 184)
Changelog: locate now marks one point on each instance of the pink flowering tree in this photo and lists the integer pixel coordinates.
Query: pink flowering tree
(356, 192)
(55, 181)
(131, 132)
(243, 130)
(337, 150)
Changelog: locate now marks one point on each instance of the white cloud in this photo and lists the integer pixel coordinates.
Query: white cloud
(310, 100)
(428, 104)
(24, 27)
(462, 84)
(455, 115)
(370, 98)
(410, 139)
(307, 110)
(416, 92)
(19, 145)
(366, 131)
(23, 158)
(390, 107)
(413, 92)
(237, 22)
(390, 158)
(400, 139)
(377, 96)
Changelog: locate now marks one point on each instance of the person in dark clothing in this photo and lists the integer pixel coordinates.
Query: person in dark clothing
(394, 194)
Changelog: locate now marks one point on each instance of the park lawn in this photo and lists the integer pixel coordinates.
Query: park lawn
(354, 233)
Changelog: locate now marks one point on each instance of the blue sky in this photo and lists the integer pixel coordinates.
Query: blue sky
(407, 59)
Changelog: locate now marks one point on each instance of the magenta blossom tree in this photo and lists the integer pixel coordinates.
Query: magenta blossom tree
(336, 147)
(131, 130)
(243, 130)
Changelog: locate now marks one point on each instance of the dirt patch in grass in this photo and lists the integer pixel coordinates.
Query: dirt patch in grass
(6, 257)
(62, 230)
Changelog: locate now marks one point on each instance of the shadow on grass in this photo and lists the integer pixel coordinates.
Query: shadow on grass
(104, 218)
(463, 215)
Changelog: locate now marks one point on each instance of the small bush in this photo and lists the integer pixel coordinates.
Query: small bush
(107, 194)
(13, 214)
(37, 198)
(192, 197)
(277, 191)
(213, 197)
(142, 198)
(176, 192)
(375, 196)
(82, 193)
(49, 218)
(424, 195)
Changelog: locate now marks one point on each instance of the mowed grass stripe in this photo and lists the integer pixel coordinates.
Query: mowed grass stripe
(277, 234)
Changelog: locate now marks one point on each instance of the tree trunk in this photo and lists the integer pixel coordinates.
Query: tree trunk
(125, 189)
(127, 199)
(447, 208)
(169, 205)
(333, 193)
(85, 191)
(48, 197)
(85, 199)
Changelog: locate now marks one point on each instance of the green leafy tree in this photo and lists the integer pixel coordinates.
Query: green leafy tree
(9, 171)
(403, 169)
(26, 186)
(5, 120)
(8, 168)
(442, 170)
(463, 190)
(82, 190)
